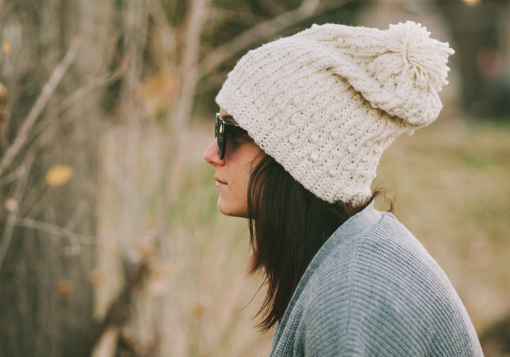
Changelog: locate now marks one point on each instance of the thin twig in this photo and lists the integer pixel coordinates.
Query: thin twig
(168, 35)
(47, 92)
(13, 176)
(84, 90)
(183, 99)
(97, 82)
(264, 30)
(7, 235)
(78, 94)
(55, 230)
(261, 31)
(19, 191)
(76, 216)
(188, 61)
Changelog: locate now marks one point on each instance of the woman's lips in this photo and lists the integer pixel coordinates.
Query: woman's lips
(219, 182)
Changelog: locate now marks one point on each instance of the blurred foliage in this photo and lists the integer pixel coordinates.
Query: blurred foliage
(454, 195)
(480, 31)
(231, 18)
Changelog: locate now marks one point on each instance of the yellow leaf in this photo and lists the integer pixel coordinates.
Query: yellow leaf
(6, 46)
(59, 175)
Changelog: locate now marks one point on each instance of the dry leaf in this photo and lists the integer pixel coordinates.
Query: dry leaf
(59, 175)
(65, 288)
(6, 46)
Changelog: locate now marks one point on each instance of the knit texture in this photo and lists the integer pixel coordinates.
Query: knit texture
(326, 102)
(373, 290)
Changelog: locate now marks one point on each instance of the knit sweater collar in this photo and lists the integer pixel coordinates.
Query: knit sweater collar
(352, 229)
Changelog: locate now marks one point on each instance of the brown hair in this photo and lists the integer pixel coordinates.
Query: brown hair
(288, 225)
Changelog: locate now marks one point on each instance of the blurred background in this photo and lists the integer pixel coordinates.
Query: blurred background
(110, 240)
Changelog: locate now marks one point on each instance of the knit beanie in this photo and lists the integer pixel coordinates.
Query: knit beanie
(327, 101)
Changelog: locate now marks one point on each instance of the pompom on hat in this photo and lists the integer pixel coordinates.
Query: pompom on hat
(327, 101)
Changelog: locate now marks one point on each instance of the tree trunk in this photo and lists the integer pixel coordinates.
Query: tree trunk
(47, 226)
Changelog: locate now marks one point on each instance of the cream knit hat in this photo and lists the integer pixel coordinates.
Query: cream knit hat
(327, 101)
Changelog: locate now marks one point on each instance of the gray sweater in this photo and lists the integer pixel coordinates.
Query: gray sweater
(373, 290)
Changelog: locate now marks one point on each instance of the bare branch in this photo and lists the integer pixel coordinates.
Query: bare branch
(78, 94)
(3, 101)
(262, 31)
(74, 238)
(119, 310)
(87, 88)
(77, 214)
(7, 235)
(13, 176)
(188, 62)
(183, 100)
(47, 92)
(168, 34)
(256, 33)
(19, 191)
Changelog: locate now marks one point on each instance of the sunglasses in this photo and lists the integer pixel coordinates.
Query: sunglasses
(221, 130)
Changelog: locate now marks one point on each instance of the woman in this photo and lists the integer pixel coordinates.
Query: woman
(302, 125)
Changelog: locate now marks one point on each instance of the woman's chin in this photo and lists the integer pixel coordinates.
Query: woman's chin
(231, 210)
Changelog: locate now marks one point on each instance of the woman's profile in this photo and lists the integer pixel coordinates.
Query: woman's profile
(303, 122)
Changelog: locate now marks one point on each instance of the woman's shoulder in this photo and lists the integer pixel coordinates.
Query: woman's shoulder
(382, 275)
(385, 259)
(384, 286)
(373, 289)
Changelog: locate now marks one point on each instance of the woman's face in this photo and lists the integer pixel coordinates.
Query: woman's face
(233, 171)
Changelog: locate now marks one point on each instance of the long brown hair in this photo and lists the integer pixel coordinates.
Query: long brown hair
(288, 225)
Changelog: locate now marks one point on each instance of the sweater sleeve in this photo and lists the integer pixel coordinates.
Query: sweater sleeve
(386, 298)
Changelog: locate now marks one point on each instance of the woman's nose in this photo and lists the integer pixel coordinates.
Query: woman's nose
(211, 155)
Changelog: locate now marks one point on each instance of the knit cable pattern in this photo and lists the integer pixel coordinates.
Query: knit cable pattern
(326, 102)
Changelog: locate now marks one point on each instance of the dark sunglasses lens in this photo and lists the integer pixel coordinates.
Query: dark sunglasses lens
(221, 147)
(220, 136)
